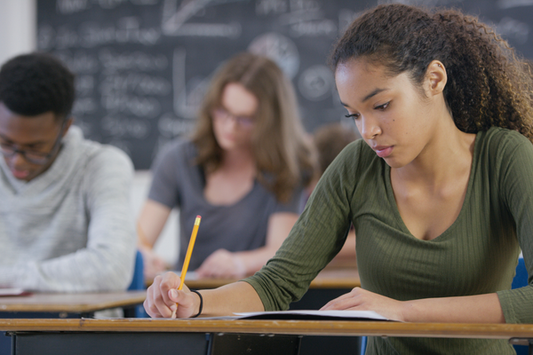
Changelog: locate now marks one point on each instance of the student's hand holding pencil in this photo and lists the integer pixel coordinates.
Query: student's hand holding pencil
(168, 297)
(163, 300)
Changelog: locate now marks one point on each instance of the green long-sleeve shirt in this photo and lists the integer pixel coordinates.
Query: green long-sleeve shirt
(477, 254)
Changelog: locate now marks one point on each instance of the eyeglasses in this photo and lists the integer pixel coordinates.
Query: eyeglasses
(34, 157)
(223, 115)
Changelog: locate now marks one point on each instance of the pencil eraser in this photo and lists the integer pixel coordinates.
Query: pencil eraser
(198, 216)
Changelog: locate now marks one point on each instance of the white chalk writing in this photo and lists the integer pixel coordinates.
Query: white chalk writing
(170, 126)
(125, 127)
(128, 30)
(507, 4)
(514, 30)
(71, 6)
(139, 106)
(316, 83)
(280, 49)
(267, 7)
(140, 84)
(112, 61)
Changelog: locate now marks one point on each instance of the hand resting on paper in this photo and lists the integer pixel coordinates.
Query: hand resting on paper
(163, 300)
(222, 264)
(363, 300)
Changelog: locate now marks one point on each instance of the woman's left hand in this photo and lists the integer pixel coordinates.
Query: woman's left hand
(222, 264)
(363, 300)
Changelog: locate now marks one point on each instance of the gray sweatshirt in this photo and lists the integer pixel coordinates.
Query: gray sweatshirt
(70, 229)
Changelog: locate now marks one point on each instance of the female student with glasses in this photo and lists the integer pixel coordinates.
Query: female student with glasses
(243, 170)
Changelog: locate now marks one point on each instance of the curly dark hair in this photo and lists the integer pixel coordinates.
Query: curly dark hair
(35, 83)
(488, 83)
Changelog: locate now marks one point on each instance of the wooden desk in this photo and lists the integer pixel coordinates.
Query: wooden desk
(336, 279)
(330, 283)
(71, 303)
(141, 333)
(63, 305)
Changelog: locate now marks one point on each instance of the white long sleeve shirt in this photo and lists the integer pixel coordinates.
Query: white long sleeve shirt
(70, 229)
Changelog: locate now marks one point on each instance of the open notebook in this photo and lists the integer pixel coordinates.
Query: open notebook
(309, 315)
(8, 292)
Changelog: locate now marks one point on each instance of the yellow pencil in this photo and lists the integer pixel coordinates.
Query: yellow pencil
(189, 251)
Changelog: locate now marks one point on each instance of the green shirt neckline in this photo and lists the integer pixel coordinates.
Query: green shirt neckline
(466, 201)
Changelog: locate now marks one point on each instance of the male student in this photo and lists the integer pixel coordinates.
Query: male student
(65, 222)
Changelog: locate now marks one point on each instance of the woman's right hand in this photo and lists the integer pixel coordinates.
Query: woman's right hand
(163, 300)
(153, 264)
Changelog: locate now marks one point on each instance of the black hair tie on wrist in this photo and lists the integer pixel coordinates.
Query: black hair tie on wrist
(201, 303)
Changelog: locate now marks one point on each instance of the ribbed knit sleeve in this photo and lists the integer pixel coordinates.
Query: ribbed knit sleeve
(516, 183)
(316, 238)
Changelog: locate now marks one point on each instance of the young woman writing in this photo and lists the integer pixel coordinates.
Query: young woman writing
(439, 189)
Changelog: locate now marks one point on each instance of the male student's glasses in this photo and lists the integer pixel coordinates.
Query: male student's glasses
(32, 156)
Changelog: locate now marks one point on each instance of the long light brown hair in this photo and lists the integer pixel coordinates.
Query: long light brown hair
(283, 154)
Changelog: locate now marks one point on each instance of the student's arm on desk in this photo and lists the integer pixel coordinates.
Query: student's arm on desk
(224, 264)
(150, 224)
(106, 263)
(162, 297)
(484, 308)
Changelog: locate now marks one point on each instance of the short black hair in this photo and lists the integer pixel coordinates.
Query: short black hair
(36, 83)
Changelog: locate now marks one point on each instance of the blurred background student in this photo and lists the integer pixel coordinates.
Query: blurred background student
(243, 170)
(65, 219)
(329, 141)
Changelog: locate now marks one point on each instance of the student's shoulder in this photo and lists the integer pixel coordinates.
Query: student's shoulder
(108, 154)
(358, 145)
(358, 153)
(502, 135)
(94, 156)
(103, 161)
(502, 142)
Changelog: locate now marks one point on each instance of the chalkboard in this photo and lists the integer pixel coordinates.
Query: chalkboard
(143, 65)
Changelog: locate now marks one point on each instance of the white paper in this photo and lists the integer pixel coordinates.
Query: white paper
(12, 291)
(319, 314)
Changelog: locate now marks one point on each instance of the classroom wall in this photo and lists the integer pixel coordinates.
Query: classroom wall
(17, 36)
(17, 27)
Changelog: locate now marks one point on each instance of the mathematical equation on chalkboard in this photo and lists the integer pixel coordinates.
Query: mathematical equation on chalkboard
(143, 66)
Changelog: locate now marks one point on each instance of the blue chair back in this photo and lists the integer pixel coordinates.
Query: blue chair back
(520, 280)
(137, 283)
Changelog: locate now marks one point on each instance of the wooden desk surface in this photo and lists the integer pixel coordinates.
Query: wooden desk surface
(330, 278)
(71, 302)
(342, 328)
